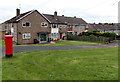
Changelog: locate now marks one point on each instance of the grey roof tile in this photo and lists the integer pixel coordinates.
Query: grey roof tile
(14, 19)
(51, 18)
(64, 20)
(105, 26)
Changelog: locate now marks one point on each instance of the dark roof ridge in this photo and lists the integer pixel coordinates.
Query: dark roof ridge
(49, 17)
(61, 16)
(17, 18)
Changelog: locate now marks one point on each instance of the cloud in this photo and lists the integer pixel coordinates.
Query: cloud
(90, 10)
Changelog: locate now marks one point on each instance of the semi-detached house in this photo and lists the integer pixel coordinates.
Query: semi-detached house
(31, 25)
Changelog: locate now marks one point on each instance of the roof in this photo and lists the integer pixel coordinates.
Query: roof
(104, 26)
(64, 20)
(19, 17)
(49, 18)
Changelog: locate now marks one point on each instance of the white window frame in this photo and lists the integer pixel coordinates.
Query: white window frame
(44, 24)
(87, 26)
(25, 23)
(55, 25)
(55, 35)
(12, 30)
(26, 34)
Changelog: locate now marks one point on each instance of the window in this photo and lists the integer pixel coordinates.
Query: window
(75, 33)
(60, 26)
(87, 26)
(54, 35)
(12, 25)
(12, 30)
(26, 24)
(54, 25)
(81, 26)
(44, 24)
(26, 36)
(6, 27)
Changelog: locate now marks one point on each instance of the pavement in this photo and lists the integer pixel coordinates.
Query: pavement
(19, 49)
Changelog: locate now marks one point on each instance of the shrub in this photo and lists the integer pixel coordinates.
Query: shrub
(69, 37)
(90, 38)
(98, 34)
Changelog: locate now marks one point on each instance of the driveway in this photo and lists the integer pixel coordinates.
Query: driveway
(18, 49)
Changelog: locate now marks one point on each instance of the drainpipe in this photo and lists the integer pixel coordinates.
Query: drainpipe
(17, 33)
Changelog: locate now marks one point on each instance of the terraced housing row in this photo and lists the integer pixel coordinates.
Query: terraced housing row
(32, 25)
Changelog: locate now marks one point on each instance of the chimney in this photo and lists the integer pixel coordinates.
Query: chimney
(55, 14)
(74, 16)
(62, 15)
(17, 12)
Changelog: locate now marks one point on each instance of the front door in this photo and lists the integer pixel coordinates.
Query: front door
(43, 37)
(60, 35)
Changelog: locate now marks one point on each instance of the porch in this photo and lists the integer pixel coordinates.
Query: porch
(44, 37)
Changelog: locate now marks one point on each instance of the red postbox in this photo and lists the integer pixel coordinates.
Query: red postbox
(8, 46)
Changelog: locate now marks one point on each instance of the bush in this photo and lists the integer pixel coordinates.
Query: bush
(108, 34)
(98, 34)
(90, 38)
(69, 37)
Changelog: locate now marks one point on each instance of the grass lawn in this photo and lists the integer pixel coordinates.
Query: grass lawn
(71, 43)
(0, 69)
(1, 42)
(81, 64)
(59, 43)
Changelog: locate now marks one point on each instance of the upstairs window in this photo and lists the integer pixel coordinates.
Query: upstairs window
(54, 25)
(44, 24)
(6, 28)
(26, 24)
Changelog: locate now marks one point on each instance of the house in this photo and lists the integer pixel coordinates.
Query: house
(28, 26)
(63, 25)
(105, 27)
(32, 25)
(3, 29)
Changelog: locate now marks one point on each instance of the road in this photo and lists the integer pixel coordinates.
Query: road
(19, 49)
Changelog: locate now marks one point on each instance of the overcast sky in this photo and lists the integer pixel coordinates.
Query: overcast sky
(104, 11)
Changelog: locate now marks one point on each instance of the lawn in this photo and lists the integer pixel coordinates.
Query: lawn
(0, 69)
(81, 64)
(71, 43)
(1, 42)
(59, 43)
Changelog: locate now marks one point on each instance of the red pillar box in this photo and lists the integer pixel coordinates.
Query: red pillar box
(8, 46)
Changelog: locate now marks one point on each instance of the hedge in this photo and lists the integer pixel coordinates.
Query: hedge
(89, 38)
(100, 34)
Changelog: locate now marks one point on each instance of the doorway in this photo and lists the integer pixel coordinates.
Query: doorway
(43, 37)
(60, 35)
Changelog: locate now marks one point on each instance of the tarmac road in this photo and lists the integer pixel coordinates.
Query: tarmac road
(19, 49)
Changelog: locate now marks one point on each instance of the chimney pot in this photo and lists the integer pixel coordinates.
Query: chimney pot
(74, 16)
(17, 12)
(55, 14)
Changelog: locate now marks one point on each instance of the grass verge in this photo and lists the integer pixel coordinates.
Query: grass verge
(81, 64)
(64, 43)
(1, 43)
(59, 43)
